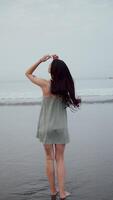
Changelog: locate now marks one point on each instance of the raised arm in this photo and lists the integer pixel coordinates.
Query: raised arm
(34, 79)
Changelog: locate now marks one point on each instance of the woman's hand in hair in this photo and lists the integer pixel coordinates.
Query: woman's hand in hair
(45, 58)
(54, 56)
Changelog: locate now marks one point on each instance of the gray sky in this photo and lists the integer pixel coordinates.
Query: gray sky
(79, 31)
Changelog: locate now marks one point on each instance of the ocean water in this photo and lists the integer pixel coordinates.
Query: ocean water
(25, 92)
(88, 158)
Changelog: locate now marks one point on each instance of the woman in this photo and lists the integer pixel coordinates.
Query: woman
(52, 130)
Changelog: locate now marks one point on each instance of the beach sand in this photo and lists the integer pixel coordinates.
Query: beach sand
(88, 156)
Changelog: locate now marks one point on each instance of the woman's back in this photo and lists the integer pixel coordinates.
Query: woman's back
(52, 125)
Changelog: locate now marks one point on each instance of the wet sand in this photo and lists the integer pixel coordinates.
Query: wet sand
(88, 157)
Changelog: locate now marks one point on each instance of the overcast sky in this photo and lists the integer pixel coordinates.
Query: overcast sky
(79, 31)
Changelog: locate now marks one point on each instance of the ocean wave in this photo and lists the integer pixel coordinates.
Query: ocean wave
(27, 101)
(100, 95)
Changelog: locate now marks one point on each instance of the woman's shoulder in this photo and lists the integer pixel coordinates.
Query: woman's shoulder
(46, 90)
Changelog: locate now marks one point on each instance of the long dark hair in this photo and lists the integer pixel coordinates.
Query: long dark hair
(62, 84)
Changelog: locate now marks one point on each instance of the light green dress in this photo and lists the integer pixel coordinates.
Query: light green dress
(52, 126)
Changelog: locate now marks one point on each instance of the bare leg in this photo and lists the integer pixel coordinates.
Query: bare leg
(59, 156)
(50, 170)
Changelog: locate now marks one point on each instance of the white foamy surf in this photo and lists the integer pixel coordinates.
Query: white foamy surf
(25, 93)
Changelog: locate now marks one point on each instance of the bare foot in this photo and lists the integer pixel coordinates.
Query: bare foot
(56, 192)
(66, 194)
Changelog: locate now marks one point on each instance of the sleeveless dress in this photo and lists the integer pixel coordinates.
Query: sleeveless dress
(52, 125)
